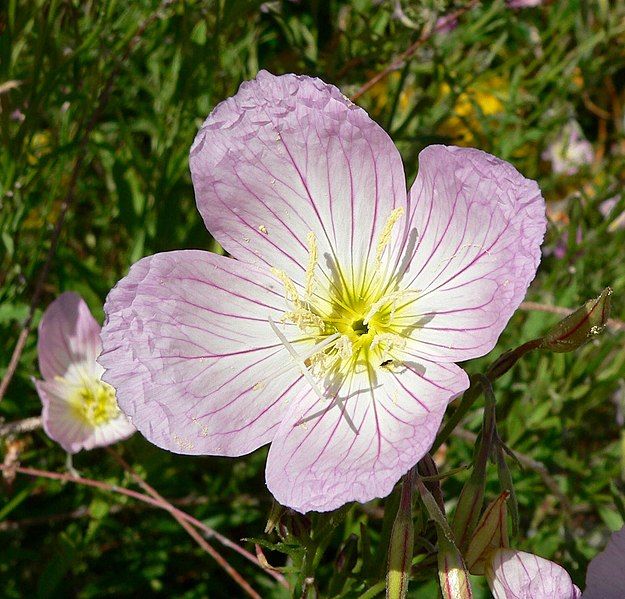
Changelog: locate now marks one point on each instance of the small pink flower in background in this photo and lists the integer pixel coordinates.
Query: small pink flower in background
(569, 151)
(606, 207)
(333, 330)
(446, 24)
(523, 3)
(515, 574)
(79, 409)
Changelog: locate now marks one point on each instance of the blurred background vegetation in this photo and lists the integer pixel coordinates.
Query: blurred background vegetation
(99, 103)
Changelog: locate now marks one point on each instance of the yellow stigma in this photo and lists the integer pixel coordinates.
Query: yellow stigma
(94, 403)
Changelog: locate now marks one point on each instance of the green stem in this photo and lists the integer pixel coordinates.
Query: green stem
(374, 591)
(497, 369)
(467, 401)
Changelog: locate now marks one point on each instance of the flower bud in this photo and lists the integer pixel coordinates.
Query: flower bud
(471, 497)
(580, 326)
(275, 515)
(452, 572)
(401, 547)
(490, 534)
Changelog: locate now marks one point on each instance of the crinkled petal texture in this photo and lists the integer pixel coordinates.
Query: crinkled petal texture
(356, 446)
(290, 174)
(189, 349)
(605, 578)
(61, 423)
(68, 334)
(291, 155)
(68, 345)
(476, 226)
(515, 574)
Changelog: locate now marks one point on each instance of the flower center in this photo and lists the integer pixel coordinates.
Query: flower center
(95, 403)
(360, 328)
(346, 326)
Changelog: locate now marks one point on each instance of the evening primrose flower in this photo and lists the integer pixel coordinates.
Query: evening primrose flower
(515, 574)
(333, 330)
(569, 151)
(79, 409)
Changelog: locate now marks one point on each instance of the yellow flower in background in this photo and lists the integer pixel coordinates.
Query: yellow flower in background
(39, 146)
(383, 92)
(485, 97)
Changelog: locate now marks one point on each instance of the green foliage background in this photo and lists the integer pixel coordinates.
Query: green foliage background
(504, 80)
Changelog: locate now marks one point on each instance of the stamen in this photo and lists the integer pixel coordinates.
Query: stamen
(297, 358)
(312, 264)
(289, 287)
(345, 347)
(389, 298)
(387, 342)
(385, 236)
(310, 353)
(306, 320)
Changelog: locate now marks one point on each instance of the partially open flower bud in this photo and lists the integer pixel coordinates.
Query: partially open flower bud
(490, 534)
(580, 326)
(512, 573)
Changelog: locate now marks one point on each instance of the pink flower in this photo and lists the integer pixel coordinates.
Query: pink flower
(446, 24)
(606, 207)
(515, 574)
(569, 151)
(523, 3)
(333, 332)
(79, 410)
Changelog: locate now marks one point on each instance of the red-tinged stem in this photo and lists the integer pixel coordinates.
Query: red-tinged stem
(406, 54)
(210, 532)
(82, 140)
(165, 506)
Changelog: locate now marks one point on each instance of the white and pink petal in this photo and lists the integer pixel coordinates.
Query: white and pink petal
(291, 155)
(189, 348)
(355, 445)
(476, 226)
(605, 578)
(513, 574)
(68, 334)
(63, 423)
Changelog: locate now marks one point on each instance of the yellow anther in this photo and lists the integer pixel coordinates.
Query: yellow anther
(95, 403)
(289, 287)
(312, 264)
(305, 320)
(385, 236)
